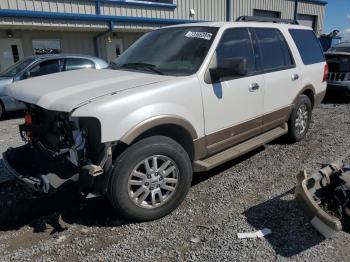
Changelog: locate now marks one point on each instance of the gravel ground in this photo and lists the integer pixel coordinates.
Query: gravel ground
(247, 194)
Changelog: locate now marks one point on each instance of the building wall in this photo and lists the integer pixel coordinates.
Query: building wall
(213, 10)
(65, 6)
(206, 10)
(71, 42)
(285, 7)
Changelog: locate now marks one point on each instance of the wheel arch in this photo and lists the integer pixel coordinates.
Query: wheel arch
(171, 126)
(309, 91)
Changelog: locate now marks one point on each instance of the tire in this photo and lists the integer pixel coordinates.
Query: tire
(299, 121)
(130, 177)
(2, 110)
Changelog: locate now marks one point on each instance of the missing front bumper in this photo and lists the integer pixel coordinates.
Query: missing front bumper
(325, 197)
(38, 170)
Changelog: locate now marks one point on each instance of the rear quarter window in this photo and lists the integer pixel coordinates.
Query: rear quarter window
(308, 45)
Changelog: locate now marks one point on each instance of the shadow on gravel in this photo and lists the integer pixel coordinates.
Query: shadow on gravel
(19, 208)
(56, 212)
(203, 176)
(291, 231)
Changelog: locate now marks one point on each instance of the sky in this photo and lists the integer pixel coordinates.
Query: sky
(338, 17)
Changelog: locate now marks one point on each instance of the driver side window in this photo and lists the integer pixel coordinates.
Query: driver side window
(236, 43)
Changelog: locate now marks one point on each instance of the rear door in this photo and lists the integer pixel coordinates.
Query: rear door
(282, 77)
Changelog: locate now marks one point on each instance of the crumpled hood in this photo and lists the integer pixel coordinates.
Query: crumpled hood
(69, 90)
(4, 82)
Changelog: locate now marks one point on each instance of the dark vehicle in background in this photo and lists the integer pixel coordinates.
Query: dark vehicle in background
(338, 59)
(41, 65)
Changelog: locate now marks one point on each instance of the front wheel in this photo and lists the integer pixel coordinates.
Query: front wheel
(2, 110)
(151, 178)
(300, 119)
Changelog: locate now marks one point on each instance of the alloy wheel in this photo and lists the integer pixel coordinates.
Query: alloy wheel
(153, 181)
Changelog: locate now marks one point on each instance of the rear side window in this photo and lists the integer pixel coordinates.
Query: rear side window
(274, 50)
(236, 43)
(308, 45)
(78, 63)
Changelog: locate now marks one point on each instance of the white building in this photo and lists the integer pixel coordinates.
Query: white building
(106, 28)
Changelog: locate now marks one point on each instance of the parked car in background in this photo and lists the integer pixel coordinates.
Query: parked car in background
(182, 98)
(41, 65)
(338, 59)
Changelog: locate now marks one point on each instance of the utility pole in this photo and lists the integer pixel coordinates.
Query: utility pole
(296, 2)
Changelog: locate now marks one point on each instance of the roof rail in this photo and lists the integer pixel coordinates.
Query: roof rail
(266, 19)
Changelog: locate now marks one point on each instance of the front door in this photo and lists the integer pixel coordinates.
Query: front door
(10, 52)
(114, 49)
(233, 107)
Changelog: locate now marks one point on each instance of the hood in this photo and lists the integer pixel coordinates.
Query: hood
(69, 90)
(4, 82)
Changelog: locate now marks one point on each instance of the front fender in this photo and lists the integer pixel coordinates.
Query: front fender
(126, 115)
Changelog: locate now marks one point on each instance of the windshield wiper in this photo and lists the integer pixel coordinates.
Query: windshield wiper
(150, 67)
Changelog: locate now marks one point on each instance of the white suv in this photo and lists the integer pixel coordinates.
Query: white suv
(181, 99)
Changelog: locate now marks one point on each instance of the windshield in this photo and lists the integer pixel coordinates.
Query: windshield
(345, 49)
(18, 67)
(169, 51)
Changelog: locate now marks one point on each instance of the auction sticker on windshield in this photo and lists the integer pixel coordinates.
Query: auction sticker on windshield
(202, 35)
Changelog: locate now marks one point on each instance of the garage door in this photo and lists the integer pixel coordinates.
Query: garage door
(266, 13)
(307, 20)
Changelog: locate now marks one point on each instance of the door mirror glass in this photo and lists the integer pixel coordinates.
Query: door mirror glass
(230, 67)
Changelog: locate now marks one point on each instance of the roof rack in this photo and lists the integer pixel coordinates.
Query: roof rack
(266, 19)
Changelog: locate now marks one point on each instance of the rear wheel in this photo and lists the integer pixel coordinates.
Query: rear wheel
(300, 119)
(151, 178)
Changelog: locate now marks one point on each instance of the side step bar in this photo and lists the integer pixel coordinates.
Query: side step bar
(240, 149)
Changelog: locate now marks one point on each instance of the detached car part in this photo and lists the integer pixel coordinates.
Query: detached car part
(325, 196)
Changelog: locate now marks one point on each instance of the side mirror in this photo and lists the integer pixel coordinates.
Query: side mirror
(229, 68)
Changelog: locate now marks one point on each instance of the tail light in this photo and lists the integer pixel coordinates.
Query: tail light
(325, 73)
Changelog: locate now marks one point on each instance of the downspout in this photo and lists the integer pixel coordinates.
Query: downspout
(96, 37)
(228, 10)
(296, 2)
(96, 46)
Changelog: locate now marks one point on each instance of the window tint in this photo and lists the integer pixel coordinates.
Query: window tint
(47, 67)
(274, 51)
(236, 43)
(78, 63)
(308, 45)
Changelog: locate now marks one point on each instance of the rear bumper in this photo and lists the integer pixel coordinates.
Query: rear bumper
(338, 87)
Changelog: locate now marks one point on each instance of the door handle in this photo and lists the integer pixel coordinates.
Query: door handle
(254, 87)
(295, 77)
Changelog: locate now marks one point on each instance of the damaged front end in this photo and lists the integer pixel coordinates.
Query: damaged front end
(325, 197)
(59, 149)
